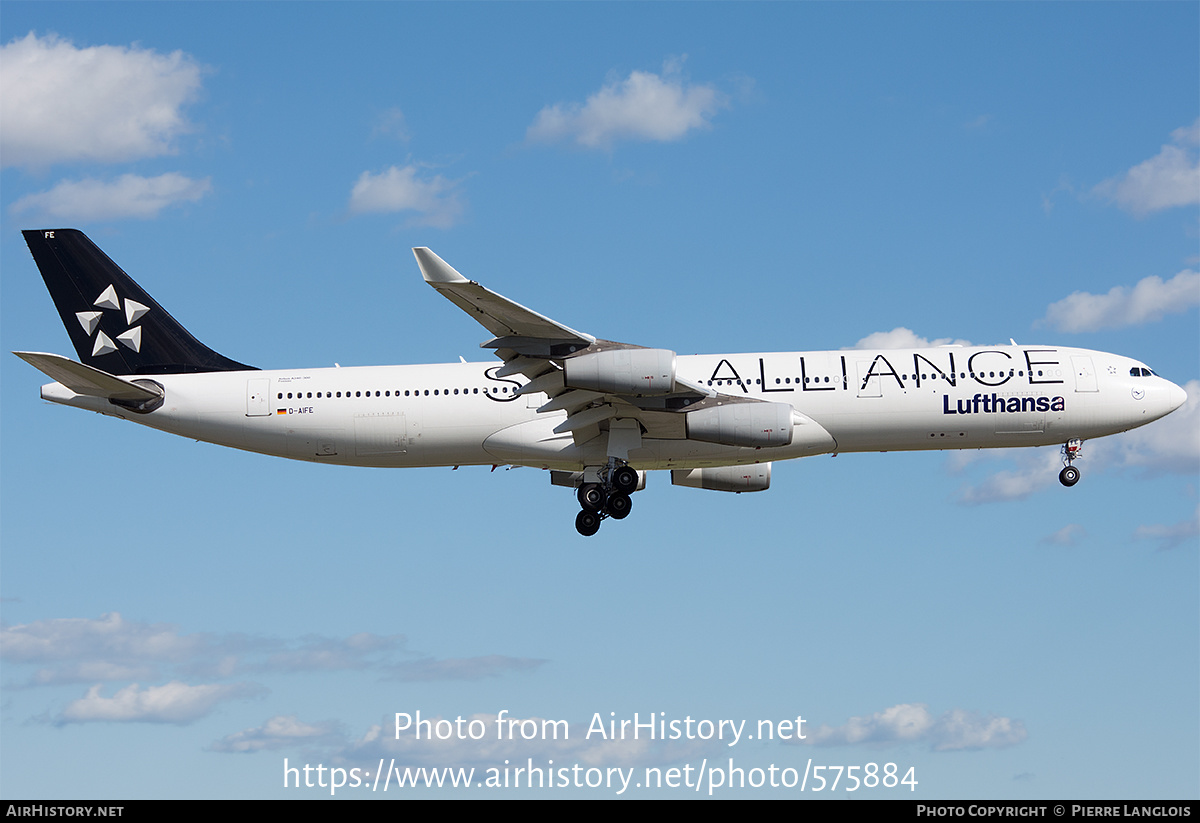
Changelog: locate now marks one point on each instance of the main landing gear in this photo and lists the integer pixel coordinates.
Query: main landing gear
(1072, 450)
(609, 498)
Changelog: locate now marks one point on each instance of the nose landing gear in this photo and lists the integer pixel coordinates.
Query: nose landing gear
(1072, 450)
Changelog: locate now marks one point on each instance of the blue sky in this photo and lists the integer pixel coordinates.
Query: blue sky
(179, 618)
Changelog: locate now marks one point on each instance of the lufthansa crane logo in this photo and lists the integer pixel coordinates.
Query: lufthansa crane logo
(131, 338)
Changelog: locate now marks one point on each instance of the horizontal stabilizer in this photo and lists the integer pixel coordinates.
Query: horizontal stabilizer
(87, 380)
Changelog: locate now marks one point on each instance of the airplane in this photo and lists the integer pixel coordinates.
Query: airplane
(599, 415)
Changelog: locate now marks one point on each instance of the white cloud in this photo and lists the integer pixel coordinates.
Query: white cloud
(391, 123)
(1036, 469)
(1064, 186)
(90, 671)
(130, 195)
(1188, 134)
(111, 637)
(400, 189)
(1068, 535)
(175, 702)
(468, 668)
(277, 733)
(1185, 531)
(329, 654)
(978, 123)
(1170, 178)
(913, 723)
(59, 103)
(1150, 300)
(959, 729)
(75, 650)
(644, 106)
(902, 338)
(113, 648)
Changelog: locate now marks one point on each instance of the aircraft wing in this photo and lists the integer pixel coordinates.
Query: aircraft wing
(546, 351)
(499, 315)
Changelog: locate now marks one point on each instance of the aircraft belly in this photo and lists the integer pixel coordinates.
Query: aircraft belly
(443, 445)
(685, 454)
(216, 427)
(534, 443)
(386, 438)
(991, 420)
(897, 430)
(1093, 418)
(323, 445)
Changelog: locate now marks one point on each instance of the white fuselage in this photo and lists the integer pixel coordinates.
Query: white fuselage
(855, 400)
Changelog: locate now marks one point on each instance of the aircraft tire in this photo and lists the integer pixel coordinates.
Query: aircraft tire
(619, 505)
(591, 497)
(625, 480)
(587, 523)
(1069, 476)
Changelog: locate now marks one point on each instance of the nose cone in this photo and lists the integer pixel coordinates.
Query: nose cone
(1176, 397)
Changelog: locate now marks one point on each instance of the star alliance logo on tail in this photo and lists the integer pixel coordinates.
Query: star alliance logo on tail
(131, 338)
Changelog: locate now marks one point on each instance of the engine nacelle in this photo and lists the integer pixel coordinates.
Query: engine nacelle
(622, 371)
(755, 478)
(742, 424)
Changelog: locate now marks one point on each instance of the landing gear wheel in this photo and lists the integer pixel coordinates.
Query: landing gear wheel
(591, 498)
(625, 480)
(1069, 476)
(587, 523)
(619, 505)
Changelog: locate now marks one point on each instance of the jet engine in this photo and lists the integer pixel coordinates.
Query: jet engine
(753, 478)
(622, 371)
(742, 424)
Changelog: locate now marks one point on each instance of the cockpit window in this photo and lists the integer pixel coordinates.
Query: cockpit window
(1138, 371)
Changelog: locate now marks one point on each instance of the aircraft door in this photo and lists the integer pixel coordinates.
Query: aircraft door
(1085, 373)
(869, 385)
(258, 397)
